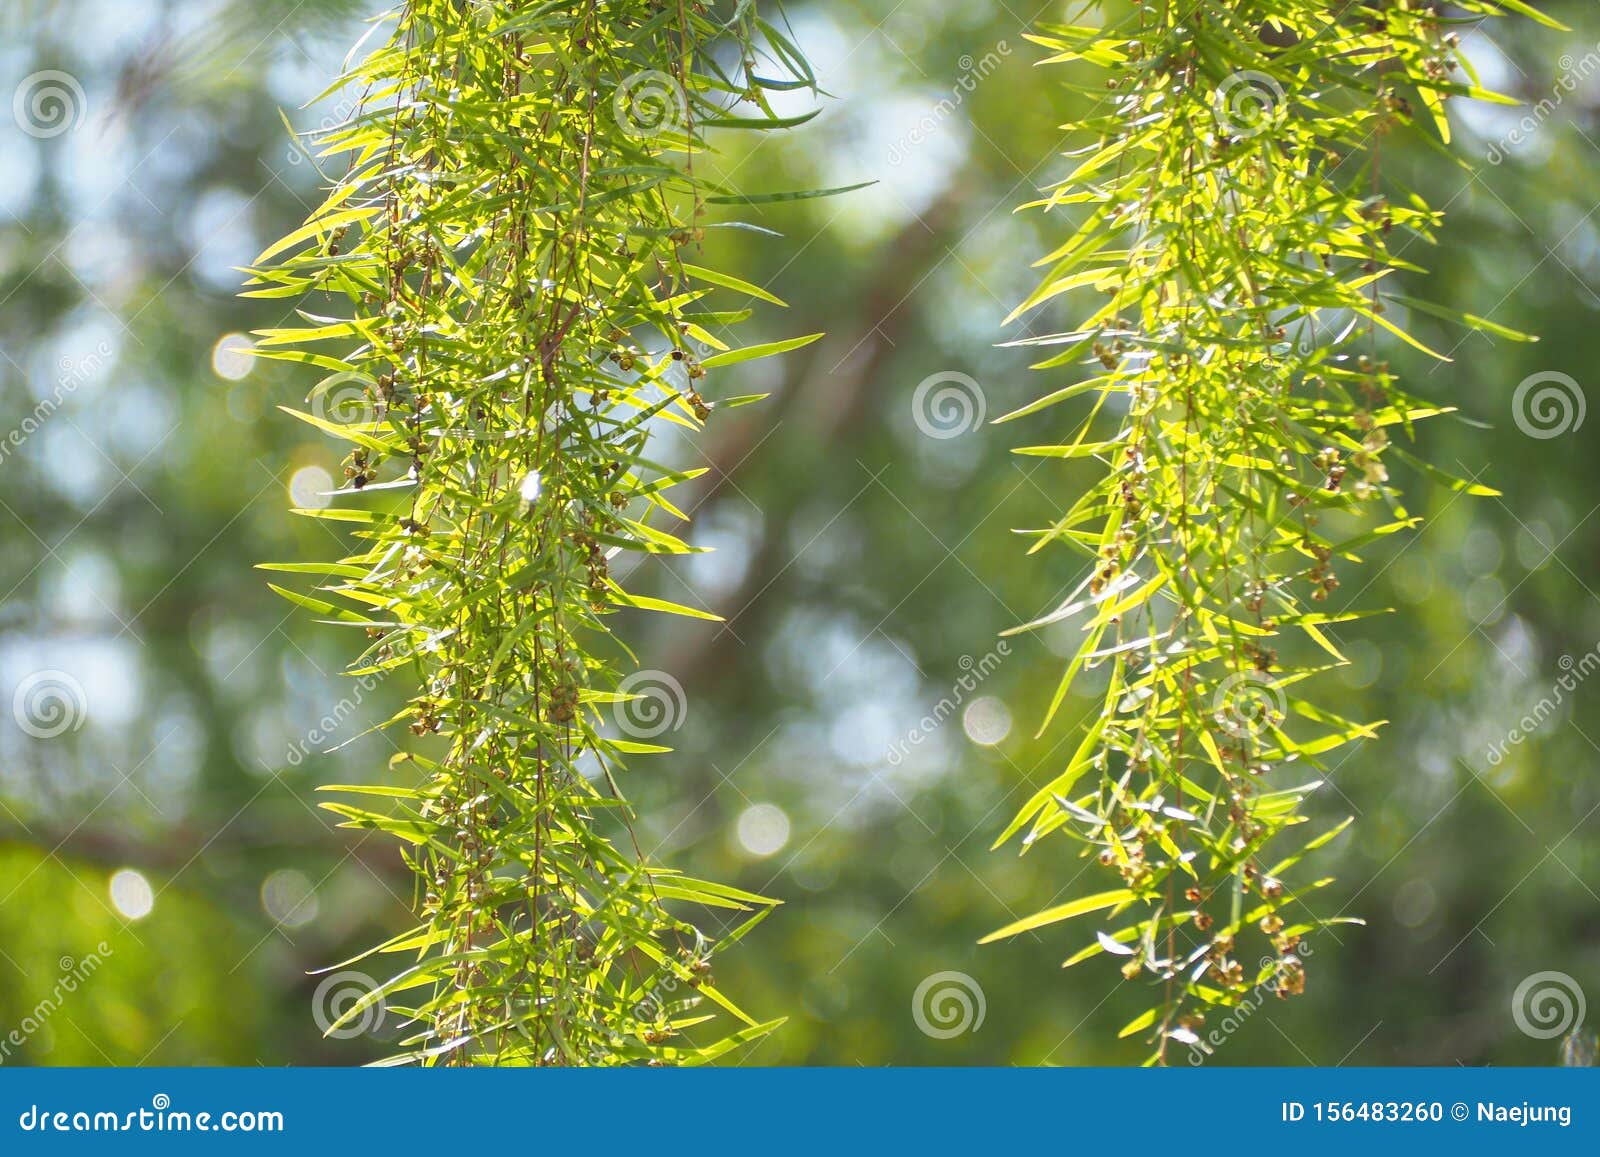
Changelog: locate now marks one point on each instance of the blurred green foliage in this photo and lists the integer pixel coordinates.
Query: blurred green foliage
(858, 561)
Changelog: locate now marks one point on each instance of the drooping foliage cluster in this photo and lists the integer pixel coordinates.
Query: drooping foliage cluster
(501, 291)
(1248, 254)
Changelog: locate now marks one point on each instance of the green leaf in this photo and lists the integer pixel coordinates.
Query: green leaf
(1067, 911)
(727, 281)
(774, 198)
(1470, 320)
(749, 353)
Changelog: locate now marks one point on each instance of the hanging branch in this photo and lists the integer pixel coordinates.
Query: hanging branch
(1234, 216)
(509, 246)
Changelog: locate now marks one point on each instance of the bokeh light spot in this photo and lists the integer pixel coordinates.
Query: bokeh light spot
(289, 898)
(131, 894)
(230, 357)
(310, 488)
(763, 829)
(987, 721)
